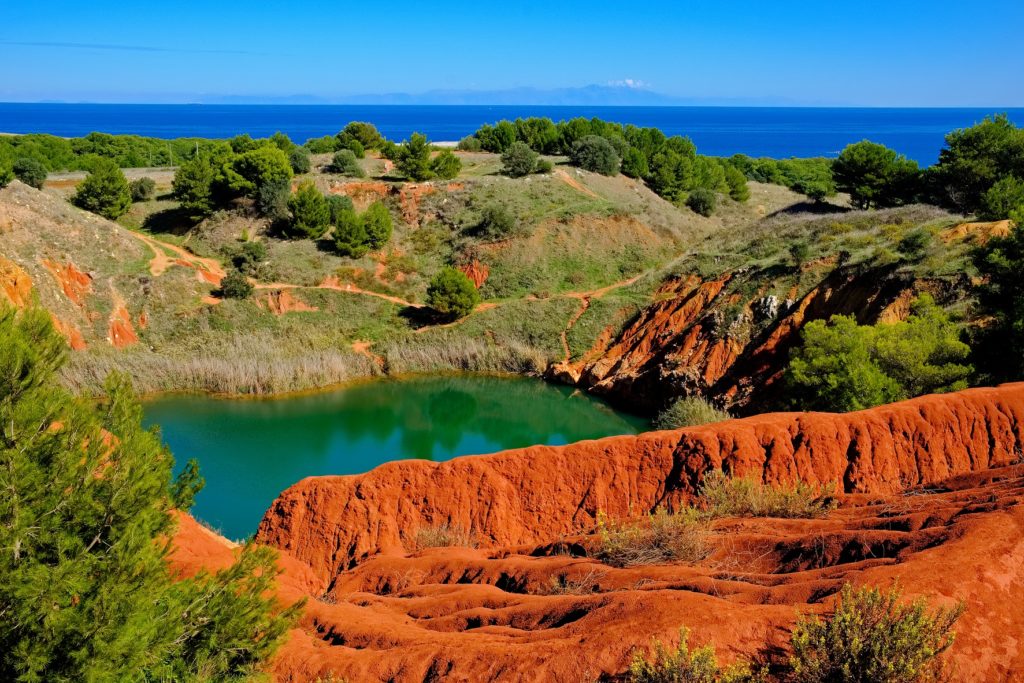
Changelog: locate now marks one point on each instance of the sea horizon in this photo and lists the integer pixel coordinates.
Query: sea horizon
(717, 130)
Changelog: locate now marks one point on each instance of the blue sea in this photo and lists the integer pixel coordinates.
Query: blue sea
(719, 131)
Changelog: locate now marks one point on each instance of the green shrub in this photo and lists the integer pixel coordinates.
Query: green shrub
(235, 285)
(378, 225)
(844, 366)
(452, 294)
(470, 143)
(683, 665)
(142, 189)
(414, 158)
(104, 191)
(816, 190)
(355, 147)
(350, 234)
(310, 212)
(871, 636)
(702, 201)
(543, 166)
(915, 243)
(193, 186)
(446, 165)
(1000, 201)
(498, 223)
(689, 411)
(659, 537)
(248, 256)
(87, 593)
(344, 162)
(298, 158)
(338, 203)
(518, 160)
(6, 167)
(30, 171)
(724, 496)
(596, 154)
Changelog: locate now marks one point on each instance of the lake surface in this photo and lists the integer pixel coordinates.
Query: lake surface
(718, 131)
(251, 450)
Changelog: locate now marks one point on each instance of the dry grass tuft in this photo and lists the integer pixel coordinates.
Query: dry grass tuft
(444, 535)
(659, 537)
(724, 496)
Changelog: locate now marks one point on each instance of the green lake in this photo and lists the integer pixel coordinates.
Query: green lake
(251, 450)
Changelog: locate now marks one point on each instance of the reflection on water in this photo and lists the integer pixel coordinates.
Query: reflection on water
(251, 450)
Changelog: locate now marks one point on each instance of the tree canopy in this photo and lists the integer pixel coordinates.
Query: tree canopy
(844, 366)
(310, 212)
(86, 591)
(104, 191)
(452, 294)
(414, 158)
(875, 175)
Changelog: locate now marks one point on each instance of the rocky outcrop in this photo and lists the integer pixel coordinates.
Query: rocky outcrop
(702, 338)
(531, 603)
(543, 492)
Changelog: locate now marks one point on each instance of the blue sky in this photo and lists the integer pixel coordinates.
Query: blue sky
(893, 53)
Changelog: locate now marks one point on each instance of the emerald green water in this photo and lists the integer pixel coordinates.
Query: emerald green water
(251, 450)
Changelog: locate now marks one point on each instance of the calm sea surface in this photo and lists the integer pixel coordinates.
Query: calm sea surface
(251, 450)
(719, 131)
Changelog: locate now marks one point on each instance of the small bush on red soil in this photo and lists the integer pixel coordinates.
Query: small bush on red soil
(443, 535)
(872, 637)
(683, 665)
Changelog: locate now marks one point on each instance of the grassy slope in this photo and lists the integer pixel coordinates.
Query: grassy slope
(592, 253)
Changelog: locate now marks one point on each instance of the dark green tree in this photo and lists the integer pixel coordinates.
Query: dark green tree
(414, 158)
(86, 593)
(518, 160)
(311, 215)
(452, 294)
(365, 133)
(498, 223)
(875, 175)
(272, 200)
(634, 164)
(193, 186)
(104, 191)
(976, 158)
(378, 225)
(446, 165)
(6, 166)
(596, 154)
(737, 183)
(30, 171)
(337, 204)
(259, 167)
(350, 237)
(235, 285)
(1001, 262)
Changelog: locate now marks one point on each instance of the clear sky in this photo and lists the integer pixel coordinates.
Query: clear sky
(867, 52)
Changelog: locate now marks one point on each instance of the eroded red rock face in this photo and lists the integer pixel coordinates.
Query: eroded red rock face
(530, 603)
(685, 343)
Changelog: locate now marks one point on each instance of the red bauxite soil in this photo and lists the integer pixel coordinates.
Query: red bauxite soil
(933, 498)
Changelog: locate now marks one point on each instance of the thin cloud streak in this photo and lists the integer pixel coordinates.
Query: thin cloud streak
(129, 48)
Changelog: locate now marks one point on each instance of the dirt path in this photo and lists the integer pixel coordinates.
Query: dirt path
(564, 176)
(333, 284)
(209, 269)
(363, 348)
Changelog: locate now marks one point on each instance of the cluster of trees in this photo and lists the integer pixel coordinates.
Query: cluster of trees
(87, 594)
(357, 137)
(843, 366)
(356, 234)
(669, 165)
(79, 154)
(811, 176)
(414, 159)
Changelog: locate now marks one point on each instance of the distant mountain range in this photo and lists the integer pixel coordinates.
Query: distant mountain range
(590, 95)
